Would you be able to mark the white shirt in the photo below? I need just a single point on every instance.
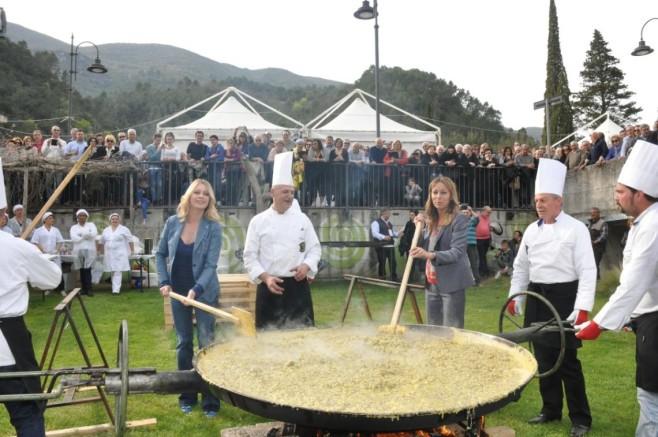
(76, 149)
(374, 228)
(46, 239)
(134, 149)
(20, 263)
(276, 243)
(637, 292)
(50, 151)
(555, 253)
(84, 237)
(116, 248)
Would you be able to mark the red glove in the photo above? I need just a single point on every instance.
(511, 307)
(581, 317)
(589, 330)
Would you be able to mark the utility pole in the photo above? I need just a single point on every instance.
(547, 103)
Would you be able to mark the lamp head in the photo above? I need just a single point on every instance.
(642, 49)
(365, 12)
(97, 67)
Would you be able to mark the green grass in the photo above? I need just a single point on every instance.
(608, 363)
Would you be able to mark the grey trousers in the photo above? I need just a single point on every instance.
(473, 258)
(445, 309)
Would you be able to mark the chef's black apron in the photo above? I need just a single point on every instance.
(646, 351)
(563, 297)
(19, 340)
(293, 309)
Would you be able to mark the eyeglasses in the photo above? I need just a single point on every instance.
(109, 141)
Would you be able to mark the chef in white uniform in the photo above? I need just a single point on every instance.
(116, 243)
(281, 254)
(555, 259)
(20, 263)
(49, 240)
(83, 236)
(636, 298)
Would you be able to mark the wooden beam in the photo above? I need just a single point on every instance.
(95, 429)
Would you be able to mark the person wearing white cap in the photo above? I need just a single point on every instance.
(555, 259)
(83, 235)
(19, 222)
(49, 239)
(20, 263)
(116, 245)
(281, 254)
(636, 298)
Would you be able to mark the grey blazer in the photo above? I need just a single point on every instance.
(451, 263)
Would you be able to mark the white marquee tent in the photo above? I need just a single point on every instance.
(607, 127)
(231, 110)
(357, 123)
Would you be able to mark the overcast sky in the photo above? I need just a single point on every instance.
(494, 49)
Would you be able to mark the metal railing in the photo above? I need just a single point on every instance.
(320, 184)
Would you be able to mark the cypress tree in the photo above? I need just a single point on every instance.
(557, 84)
(603, 87)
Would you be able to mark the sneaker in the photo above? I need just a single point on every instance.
(186, 408)
(210, 414)
(497, 275)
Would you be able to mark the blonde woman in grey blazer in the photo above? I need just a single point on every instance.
(444, 249)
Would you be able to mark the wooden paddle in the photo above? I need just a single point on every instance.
(243, 319)
(394, 326)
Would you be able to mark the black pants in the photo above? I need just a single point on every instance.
(598, 256)
(27, 416)
(384, 253)
(568, 380)
(483, 248)
(290, 310)
(85, 280)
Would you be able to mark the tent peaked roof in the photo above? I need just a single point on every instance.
(231, 109)
(359, 115)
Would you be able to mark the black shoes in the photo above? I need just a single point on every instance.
(543, 418)
(578, 430)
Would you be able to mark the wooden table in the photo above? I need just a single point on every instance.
(360, 280)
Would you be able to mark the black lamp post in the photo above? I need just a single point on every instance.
(96, 67)
(366, 12)
(642, 48)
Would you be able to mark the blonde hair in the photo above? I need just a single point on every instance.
(110, 137)
(432, 212)
(183, 208)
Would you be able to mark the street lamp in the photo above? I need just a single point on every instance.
(96, 67)
(642, 48)
(366, 12)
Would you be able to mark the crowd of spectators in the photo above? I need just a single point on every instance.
(329, 171)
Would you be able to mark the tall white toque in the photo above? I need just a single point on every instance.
(282, 172)
(639, 171)
(551, 174)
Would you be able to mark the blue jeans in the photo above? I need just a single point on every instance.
(155, 182)
(205, 329)
(26, 417)
(647, 424)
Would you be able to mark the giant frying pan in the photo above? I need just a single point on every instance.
(334, 420)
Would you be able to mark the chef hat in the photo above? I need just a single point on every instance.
(282, 173)
(46, 215)
(551, 174)
(3, 195)
(81, 211)
(17, 206)
(115, 214)
(639, 171)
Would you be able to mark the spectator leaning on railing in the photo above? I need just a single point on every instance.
(131, 146)
(54, 146)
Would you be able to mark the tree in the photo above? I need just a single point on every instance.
(603, 87)
(557, 84)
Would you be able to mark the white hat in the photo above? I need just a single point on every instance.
(3, 195)
(46, 215)
(282, 173)
(639, 171)
(81, 211)
(115, 214)
(17, 206)
(551, 174)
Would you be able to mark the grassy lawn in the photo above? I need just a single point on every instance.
(608, 362)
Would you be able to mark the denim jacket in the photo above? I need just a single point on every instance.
(207, 246)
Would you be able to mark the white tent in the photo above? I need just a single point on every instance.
(231, 110)
(608, 127)
(357, 123)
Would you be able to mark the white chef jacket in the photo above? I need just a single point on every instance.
(556, 253)
(47, 239)
(637, 292)
(116, 248)
(276, 243)
(20, 263)
(84, 239)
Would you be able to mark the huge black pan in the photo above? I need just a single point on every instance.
(334, 421)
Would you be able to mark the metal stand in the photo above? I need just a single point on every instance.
(64, 317)
(360, 280)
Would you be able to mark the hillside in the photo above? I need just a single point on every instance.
(160, 65)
